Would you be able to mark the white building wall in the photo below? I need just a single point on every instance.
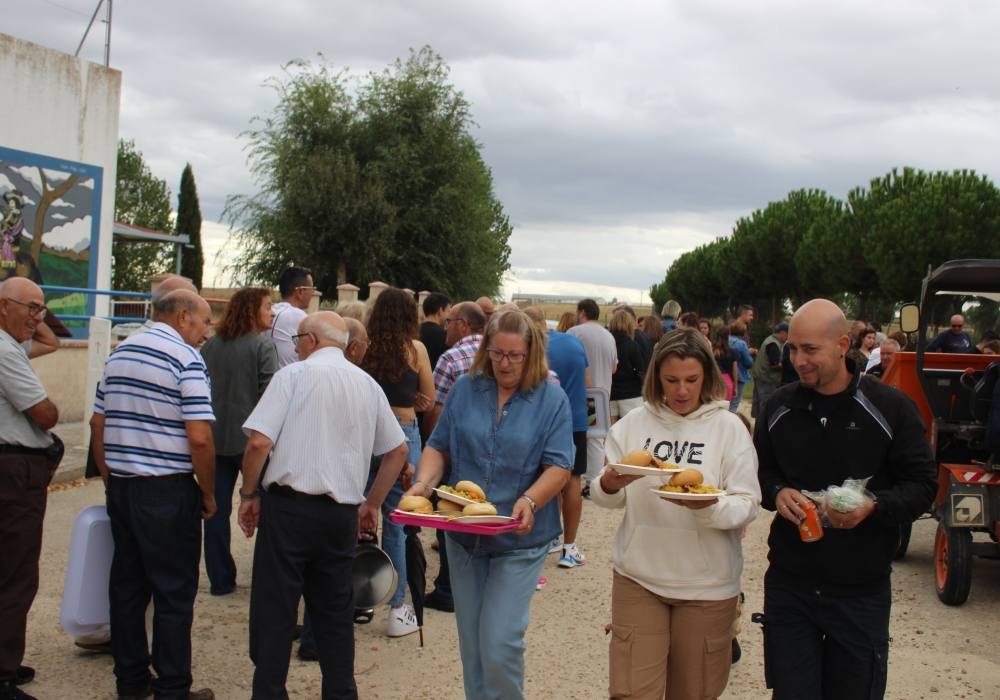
(64, 107)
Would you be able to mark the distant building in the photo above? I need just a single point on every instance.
(533, 299)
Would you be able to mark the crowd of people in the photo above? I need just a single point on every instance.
(322, 422)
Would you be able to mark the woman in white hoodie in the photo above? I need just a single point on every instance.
(677, 564)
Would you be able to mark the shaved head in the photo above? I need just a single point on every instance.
(818, 341)
(824, 316)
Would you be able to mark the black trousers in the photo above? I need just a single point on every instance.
(156, 525)
(305, 548)
(822, 646)
(24, 479)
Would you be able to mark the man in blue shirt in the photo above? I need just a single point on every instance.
(954, 339)
(567, 358)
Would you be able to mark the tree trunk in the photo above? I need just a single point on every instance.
(342, 272)
(48, 196)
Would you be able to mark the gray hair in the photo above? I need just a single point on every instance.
(325, 331)
(891, 342)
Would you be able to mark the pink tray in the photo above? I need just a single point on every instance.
(401, 518)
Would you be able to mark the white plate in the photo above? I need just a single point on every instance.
(632, 470)
(688, 496)
(484, 519)
(460, 500)
(429, 516)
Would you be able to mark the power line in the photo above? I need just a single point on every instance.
(67, 9)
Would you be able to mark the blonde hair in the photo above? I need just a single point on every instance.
(352, 309)
(683, 343)
(624, 322)
(566, 321)
(536, 369)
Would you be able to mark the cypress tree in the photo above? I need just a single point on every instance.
(189, 222)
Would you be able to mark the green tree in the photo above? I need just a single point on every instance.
(189, 222)
(141, 199)
(390, 185)
(915, 220)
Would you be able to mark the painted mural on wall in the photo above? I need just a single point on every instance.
(50, 211)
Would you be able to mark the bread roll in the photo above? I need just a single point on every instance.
(688, 477)
(479, 509)
(416, 504)
(637, 458)
(470, 487)
(448, 507)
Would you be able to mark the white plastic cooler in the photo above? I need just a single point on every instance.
(85, 608)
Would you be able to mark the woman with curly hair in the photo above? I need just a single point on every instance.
(401, 366)
(240, 362)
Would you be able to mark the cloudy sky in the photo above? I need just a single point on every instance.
(619, 136)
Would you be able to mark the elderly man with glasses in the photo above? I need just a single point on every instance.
(953, 340)
(29, 455)
(320, 420)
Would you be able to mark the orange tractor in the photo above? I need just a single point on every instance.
(958, 396)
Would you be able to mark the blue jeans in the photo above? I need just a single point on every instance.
(218, 558)
(393, 538)
(737, 396)
(492, 595)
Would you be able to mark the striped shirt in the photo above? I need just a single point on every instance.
(326, 418)
(453, 364)
(153, 382)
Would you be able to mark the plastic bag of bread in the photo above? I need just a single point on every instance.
(844, 498)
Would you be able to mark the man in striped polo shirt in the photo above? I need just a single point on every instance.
(152, 435)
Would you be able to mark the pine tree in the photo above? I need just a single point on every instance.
(189, 222)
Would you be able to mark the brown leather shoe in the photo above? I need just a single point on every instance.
(203, 694)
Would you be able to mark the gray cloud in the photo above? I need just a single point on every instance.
(619, 136)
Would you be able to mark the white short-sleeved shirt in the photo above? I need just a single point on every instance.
(602, 353)
(19, 391)
(153, 383)
(326, 418)
(285, 324)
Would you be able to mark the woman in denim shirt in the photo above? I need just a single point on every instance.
(508, 430)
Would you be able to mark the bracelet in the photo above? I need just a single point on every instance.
(252, 496)
(531, 502)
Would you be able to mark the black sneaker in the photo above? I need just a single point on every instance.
(146, 692)
(436, 600)
(25, 674)
(10, 691)
(308, 653)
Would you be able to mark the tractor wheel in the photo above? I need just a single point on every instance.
(904, 541)
(952, 564)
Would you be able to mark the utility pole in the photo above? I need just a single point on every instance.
(107, 32)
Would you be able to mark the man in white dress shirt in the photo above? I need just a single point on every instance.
(320, 420)
(297, 289)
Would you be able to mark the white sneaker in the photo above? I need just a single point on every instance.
(572, 557)
(402, 621)
(555, 546)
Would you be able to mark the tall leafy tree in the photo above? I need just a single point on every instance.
(390, 185)
(189, 222)
(141, 199)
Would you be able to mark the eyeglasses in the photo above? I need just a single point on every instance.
(311, 289)
(299, 336)
(449, 321)
(957, 325)
(515, 358)
(35, 309)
